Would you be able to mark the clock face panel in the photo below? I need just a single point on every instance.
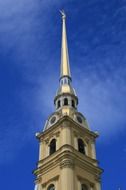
(53, 119)
(79, 119)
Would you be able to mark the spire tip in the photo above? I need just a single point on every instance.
(63, 14)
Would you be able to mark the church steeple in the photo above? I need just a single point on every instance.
(65, 68)
(66, 100)
(67, 158)
(66, 96)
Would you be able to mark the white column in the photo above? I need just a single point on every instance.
(66, 135)
(75, 143)
(93, 150)
(91, 188)
(40, 151)
(86, 149)
(98, 186)
(38, 187)
(79, 185)
(57, 143)
(56, 185)
(67, 178)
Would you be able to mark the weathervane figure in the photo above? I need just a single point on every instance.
(63, 14)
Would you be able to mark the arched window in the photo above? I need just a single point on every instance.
(81, 146)
(52, 146)
(65, 81)
(58, 104)
(73, 104)
(61, 82)
(65, 101)
(51, 187)
(84, 187)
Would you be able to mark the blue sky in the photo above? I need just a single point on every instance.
(30, 40)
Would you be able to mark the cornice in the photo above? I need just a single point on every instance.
(38, 179)
(74, 125)
(67, 156)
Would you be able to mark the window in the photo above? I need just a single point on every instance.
(84, 187)
(73, 104)
(58, 104)
(52, 146)
(53, 119)
(65, 101)
(81, 146)
(51, 187)
(79, 119)
(65, 81)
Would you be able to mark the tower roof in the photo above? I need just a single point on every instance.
(65, 75)
(66, 100)
(65, 68)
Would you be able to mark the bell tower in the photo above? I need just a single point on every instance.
(67, 158)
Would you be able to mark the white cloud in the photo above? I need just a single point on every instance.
(19, 25)
(101, 100)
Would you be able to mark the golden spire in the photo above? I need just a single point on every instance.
(65, 68)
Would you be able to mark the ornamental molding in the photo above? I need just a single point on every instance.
(93, 141)
(47, 141)
(60, 125)
(87, 140)
(67, 163)
(76, 134)
(92, 185)
(38, 180)
(85, 181)
(98, 178)
(54, 179)
(79, 134)
(54, 135)
(57, 134)
(66, 123)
